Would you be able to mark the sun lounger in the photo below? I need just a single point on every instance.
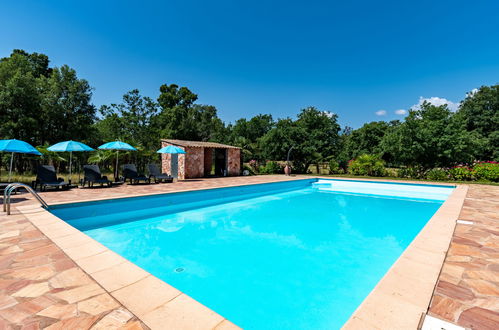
(156, 174)
(46, 177)
(93, 175)
(130, 172)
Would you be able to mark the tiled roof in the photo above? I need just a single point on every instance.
(198, 144)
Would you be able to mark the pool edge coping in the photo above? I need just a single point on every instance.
(403, 295)
(130, 274)
(126, 282)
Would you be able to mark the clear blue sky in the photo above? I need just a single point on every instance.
(354, 58)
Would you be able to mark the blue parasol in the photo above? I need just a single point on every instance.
(69, 146)
(174, 150)
(116, 145)
(171, 150)
(17, 146)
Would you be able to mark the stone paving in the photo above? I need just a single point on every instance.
(467, 292)
(41, 287)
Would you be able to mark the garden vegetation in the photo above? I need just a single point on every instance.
(43, 105)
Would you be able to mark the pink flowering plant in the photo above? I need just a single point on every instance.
(461, 173)
(487, 171)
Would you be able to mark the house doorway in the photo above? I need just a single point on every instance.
(220, 162)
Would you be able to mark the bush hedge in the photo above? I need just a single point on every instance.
(372, 165)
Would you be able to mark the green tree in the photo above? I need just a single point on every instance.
(131, 121)
(480, 112)
(19, 98)
(313, 136)
(40, 104)
(430, 137)
(367, 139)
(67, 109)
(246, 133)
(180, 118)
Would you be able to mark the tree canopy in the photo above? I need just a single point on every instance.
(40, 104)
(43, 105)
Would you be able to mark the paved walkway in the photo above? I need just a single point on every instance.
(467, 292)
(41, 287)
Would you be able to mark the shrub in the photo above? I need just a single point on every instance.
(460, 173)
(411, 172)
(437, 174)
(392, 172)
(249, 168)
(271, 168)
(334, 167)
(371, 165)
(486, 171)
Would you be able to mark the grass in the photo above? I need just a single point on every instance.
(29, 178)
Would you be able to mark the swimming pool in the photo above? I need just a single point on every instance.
(298, 254)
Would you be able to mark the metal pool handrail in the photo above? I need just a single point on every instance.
(11, 188)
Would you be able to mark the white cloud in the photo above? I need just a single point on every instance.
(472, 92)
(381, 113)
(401, 112)
(329, 114)
(435, 100)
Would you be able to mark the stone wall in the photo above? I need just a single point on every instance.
(197, 162)
(194, 162)
(234, 161)
(166, 162)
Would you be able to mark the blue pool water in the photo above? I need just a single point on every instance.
(296, 255)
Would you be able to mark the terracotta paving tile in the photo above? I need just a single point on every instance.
(32, 273)
(114, 320)
(77, 322)
(80, 293)
(7, 301)
(13, 315)
(37, 304)
(446, 308)
(470, 298)
(479, 318)
(182, 312)
(63, 264)
(482, 287)
(98, 304)
(32, 290)
(119, 276)
(133, 325)
(60, 311)
(70, 278)
(100, 261)
(85, 250)
(145, 295)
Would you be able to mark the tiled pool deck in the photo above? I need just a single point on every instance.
(51, 275)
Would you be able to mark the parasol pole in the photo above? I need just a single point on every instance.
(10, 169)
(116, 171)
(70, 162)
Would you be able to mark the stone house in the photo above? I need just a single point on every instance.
(202, 159)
